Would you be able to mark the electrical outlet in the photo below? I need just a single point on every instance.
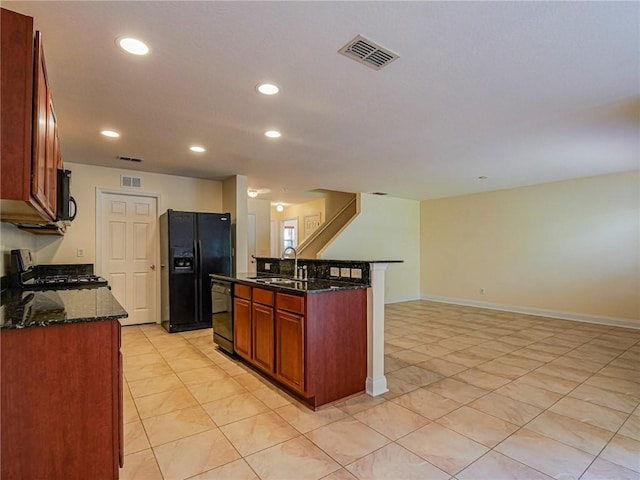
(80, 252)
(356, 273)
(267, 266)
(345, 272)
(334, 271)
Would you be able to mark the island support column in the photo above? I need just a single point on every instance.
(376, 383)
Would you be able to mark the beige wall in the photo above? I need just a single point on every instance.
(262, 211)
(298, 211)
(11, 238)
(335, 201)
(571, 248)
(387, 228)
(178, 193)
(234, 200)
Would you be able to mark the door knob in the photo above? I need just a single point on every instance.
(152, 267)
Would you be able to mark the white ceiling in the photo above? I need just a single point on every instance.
(520, 92)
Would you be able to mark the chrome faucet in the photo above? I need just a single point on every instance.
(295, 260)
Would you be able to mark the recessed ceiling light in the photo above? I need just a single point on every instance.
(133, 46)
(268, 88)
(252, 193)
(110, 133)
(197, 149)
(279, 207)
(272, 134)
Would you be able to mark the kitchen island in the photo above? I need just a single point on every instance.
(369, 272)
(309, 337)
(61, 384)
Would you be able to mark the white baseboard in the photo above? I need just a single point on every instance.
(402, 299)
(577, 317)
(376, 386)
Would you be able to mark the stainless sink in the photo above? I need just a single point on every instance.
(277, 280)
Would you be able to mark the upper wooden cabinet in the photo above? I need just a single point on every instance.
(30, 145)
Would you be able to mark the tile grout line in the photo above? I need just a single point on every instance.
(460, 331)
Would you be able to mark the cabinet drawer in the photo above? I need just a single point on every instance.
(242, 291)
(264, 297)
(293, 303)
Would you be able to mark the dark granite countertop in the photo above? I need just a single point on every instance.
(312, 285)
(22, 309)
(329, 260)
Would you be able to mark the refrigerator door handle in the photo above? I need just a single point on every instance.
(196, 260)
(196, 275)
(198, 278)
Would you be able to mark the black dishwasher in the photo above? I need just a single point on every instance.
(222, 314)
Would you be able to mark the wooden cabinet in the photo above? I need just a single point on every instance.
(263, 332)
(254, 326)
(336, 344)
(315, 344)
(30, 144)
(263, 329)
(242, 331)
(61, 394)
(53, 159)
(290, 349)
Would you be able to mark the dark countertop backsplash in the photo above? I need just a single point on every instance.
(73, 269)
(318, 269)
(65, 269)
(312, 285)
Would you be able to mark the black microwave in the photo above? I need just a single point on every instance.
(67, 207)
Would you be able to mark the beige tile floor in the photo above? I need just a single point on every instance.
(474, 394)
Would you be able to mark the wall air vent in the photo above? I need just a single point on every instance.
(368, 53)
(130, 159)
(129, 181)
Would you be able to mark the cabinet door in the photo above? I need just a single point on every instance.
(263, 337)
(52, 149)
(290, 333)
(242, 327)
(39, 185)
(119, 427)
(58, 402)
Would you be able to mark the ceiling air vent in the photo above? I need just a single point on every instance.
(130, 159)
(129, 181)
(367, 52)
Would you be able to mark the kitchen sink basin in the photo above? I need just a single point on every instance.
(277, 280)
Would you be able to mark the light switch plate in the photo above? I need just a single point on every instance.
(334, 272)
(345, 272)
(356, 273)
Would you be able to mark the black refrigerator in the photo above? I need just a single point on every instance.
(192, 246)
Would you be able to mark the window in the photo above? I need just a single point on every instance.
(289, 233)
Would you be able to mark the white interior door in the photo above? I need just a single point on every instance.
(128, 253)
(251, 244)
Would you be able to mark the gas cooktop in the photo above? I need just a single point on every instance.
(59, 282)
(54, 277)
